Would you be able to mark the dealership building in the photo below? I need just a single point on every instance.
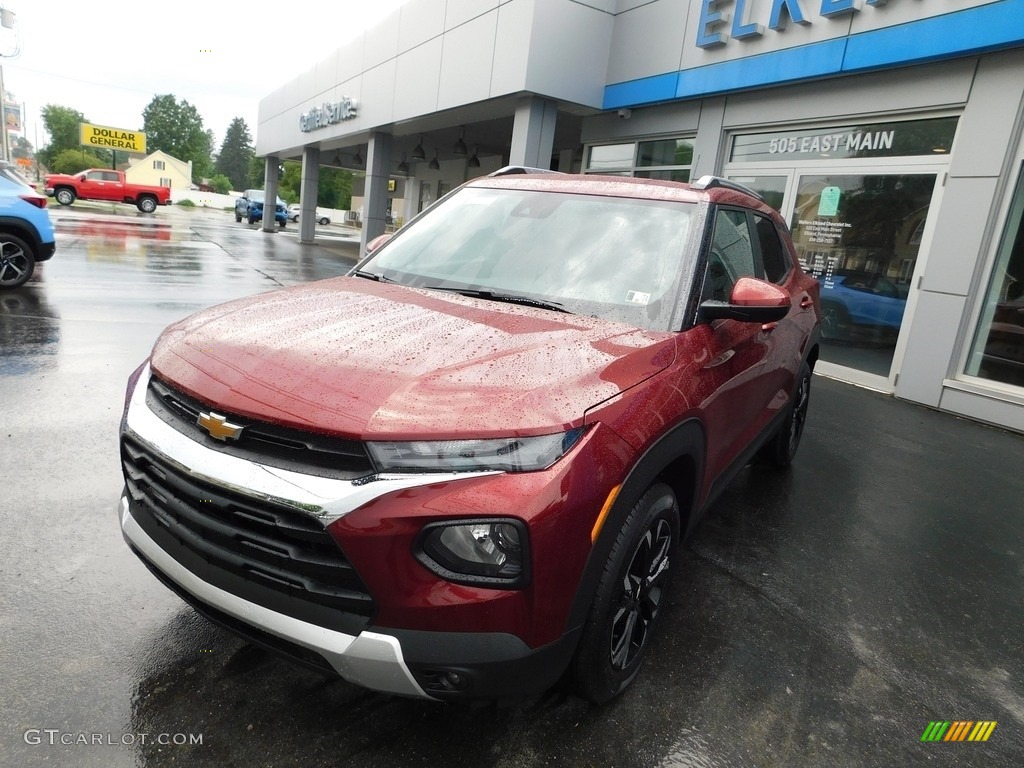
(888, 133)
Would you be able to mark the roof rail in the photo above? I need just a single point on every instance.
(511, 169)
(709, 181)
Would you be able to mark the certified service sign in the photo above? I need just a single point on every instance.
(329, 114)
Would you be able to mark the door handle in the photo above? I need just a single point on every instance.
(806, 302)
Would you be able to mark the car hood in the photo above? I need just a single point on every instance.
(354, 357)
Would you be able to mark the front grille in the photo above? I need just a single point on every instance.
(263, 542)
(262, 442)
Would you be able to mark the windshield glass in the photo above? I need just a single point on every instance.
(610, 257)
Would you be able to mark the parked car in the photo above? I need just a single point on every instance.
(859, 303)
(26, 232)
(321, 217)
(250, 206)
(467, 466)
(104, 184)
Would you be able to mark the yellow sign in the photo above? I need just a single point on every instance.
(112, 138)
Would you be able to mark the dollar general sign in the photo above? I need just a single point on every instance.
(112, 138)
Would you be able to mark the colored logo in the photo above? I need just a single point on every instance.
(958, 730)
(218, 426)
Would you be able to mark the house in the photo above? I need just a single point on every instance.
(160, 169)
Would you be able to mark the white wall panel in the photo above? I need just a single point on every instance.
(417, 79)
(466, 62)
(512, 47)
(647, 41)
(419, 21)
(458, 12)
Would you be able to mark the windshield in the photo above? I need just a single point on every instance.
(615, 258)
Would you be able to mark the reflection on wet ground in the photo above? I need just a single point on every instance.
(820, 617)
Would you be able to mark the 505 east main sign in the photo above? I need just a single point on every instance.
(329, 114)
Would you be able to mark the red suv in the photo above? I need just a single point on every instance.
(465, 468)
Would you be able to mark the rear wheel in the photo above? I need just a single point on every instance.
(781, 449)
(64, 196)
(146, 204)
(17, 262)
(324, 220)
(629, 597)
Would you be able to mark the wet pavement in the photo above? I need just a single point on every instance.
(820, 617)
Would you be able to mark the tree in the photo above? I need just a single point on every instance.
(62, 125)
(74, 160)
(177, 129)
(221, 184)
(235, 153)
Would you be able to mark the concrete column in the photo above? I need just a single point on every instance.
(308, 193)
(269, 193)
(533, 132)
(375, 200)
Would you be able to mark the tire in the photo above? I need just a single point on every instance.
(834, 320)
(146, 204)
(323, 221)
(282, 224)
(65, 196)
(629, 600)
(17, 261)
(781, 449)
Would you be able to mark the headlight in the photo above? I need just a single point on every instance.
(492, 552)
(512, 454)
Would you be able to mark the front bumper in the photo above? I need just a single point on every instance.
(370, 659)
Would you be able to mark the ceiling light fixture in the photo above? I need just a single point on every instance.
(474, 161)
(460, 145)
(434, 165)
(419, 153)
(358, 157)
(403, 167)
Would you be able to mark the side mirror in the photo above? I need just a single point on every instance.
(81, 177)
(751, 301)
(377, 242)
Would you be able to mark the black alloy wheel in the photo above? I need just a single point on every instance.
(640, 596)
(781, 449)
(630, 597)
(17, 262)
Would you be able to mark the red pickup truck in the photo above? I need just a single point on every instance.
(100, 184)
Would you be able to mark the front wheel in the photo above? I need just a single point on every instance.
(324, 221)
(781, 449)
(146, 204)
(629, 598)
(64, 196)
(17, 262)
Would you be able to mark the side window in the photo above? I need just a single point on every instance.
(111, 176)
(731, 257)
(774, 257)
(95, 176)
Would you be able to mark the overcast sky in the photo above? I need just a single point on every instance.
(108, 60)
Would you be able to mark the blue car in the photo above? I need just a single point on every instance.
(860, 304)
(256, 210)
(26, 232)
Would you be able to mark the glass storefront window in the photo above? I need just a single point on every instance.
(856, 234)
(897, 139)
(611, 156)
(771, 188)
(668, 159)
(998, 350)
(666, 152)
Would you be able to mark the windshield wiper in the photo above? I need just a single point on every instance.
(372, 276)
(503, 297)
